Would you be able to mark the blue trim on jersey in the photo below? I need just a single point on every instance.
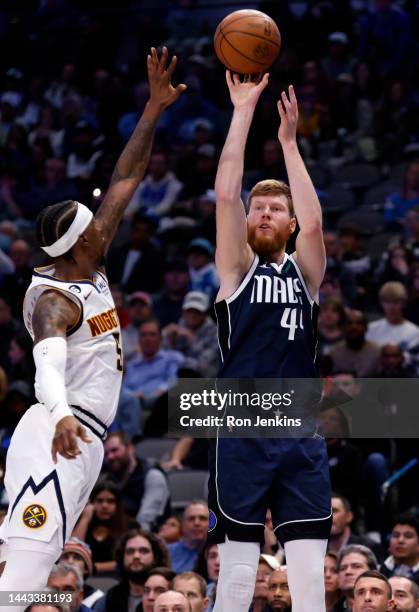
(30, 484)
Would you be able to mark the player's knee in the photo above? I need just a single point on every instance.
(241, 583)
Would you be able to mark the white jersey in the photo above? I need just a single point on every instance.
(94, 356)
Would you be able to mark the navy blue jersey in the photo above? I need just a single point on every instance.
(268, 327)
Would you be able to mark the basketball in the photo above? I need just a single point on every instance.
(247, 41)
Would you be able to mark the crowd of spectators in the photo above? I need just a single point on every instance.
(72, 87)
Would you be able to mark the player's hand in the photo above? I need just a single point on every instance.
(65, 439)
(288, 111)
(162, 92)
(245, 93)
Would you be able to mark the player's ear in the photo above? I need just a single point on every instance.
(293, 224)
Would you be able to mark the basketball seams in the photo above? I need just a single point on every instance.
(268, 40)
(264, 64)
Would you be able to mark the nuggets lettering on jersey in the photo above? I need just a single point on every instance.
(267, 328)
(94, 355)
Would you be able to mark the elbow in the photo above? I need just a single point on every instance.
(313, 228)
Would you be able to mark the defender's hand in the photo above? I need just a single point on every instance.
(162, 92)
(245, 93)
(288, 111)
(65, 439)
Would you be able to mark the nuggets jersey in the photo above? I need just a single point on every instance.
(94, 356)
(267, 328)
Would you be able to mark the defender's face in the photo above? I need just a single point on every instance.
(269, 224)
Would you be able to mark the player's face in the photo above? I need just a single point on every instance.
(331, 579)
(138, 555)
(105, 505)
(341, 518)
(190, 589)
(153, 587)
(213, 563)
(404, 542)
(195, 522)
(269, 224)
(279, 597)
(116, 455)
(351, 566)
(371, 595)
(402, 594)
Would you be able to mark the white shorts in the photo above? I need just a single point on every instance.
(46, 498)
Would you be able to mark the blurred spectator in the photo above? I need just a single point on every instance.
(158, 191)
(412, 309)
(412, 231)
(171, 601)
(48, 126)
(337, 269)
(399, 204)
(395, 265)
(138, 552)
(168, 304)
(142, 484)
(171, 530)
(353, 561)
(403, 549)
(16, 284)
(355, 352)
(405, 594)
(200, 171)
(279, 597)
(10, 102)
(372, 590)
(137, 265)
(102, 523)
(194, 588)
(339, 59)
(140, 309)
(19, 397)
(188, 452)
(330, 324)
(331, 580)
(154, 369)
(202, 270)
(267, 564)
(271, 165)
(385, 37)
(9, 328)
(392, 363)
(159, 580)
(195, 336)
(354, 257)
(208, 566)
(184, 553)
(341, 534)
(22, 366)
(393, 328)
(66, 578)
(205, 210)
(78, 554)
(84, 155)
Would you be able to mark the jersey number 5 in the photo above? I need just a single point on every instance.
(120, 359)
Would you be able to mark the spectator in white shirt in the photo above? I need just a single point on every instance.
(393, 328)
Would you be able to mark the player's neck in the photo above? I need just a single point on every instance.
(276, 257)
(72, 271)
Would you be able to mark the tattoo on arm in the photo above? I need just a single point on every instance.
(128, 172)
(53, 315)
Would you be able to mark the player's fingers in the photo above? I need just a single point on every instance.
(181, 88)
(83, 435)
(264, 79)
(236, 79)
(281, 109)
(163, 58)
(71, 446)
(172, 66)
(285, 100)
(291, 93)
(154, 57)
(229, 78)
(54, 451)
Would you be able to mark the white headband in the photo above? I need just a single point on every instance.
(64, 244)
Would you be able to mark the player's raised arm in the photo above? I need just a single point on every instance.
(133, 162)
(311, 256)
(234, 255)
(53, 316)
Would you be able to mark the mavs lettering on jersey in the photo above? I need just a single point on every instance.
(267, 328)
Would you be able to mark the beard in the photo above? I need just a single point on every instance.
(266, 245)
(137, 576)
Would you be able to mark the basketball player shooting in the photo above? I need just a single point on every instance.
(266, 310)
(56, 452)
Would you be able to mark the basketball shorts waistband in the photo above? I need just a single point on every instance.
(90, 421)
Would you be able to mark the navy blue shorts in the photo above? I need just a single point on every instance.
(290, 476)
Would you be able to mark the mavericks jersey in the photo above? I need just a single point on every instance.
(94, 358)
(267, 328)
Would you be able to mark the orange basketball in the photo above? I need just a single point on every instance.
(247, 41)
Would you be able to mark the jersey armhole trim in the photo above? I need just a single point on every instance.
(72, 298)
(301, 277)
(244, 282)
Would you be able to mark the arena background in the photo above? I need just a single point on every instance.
(72, 87)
